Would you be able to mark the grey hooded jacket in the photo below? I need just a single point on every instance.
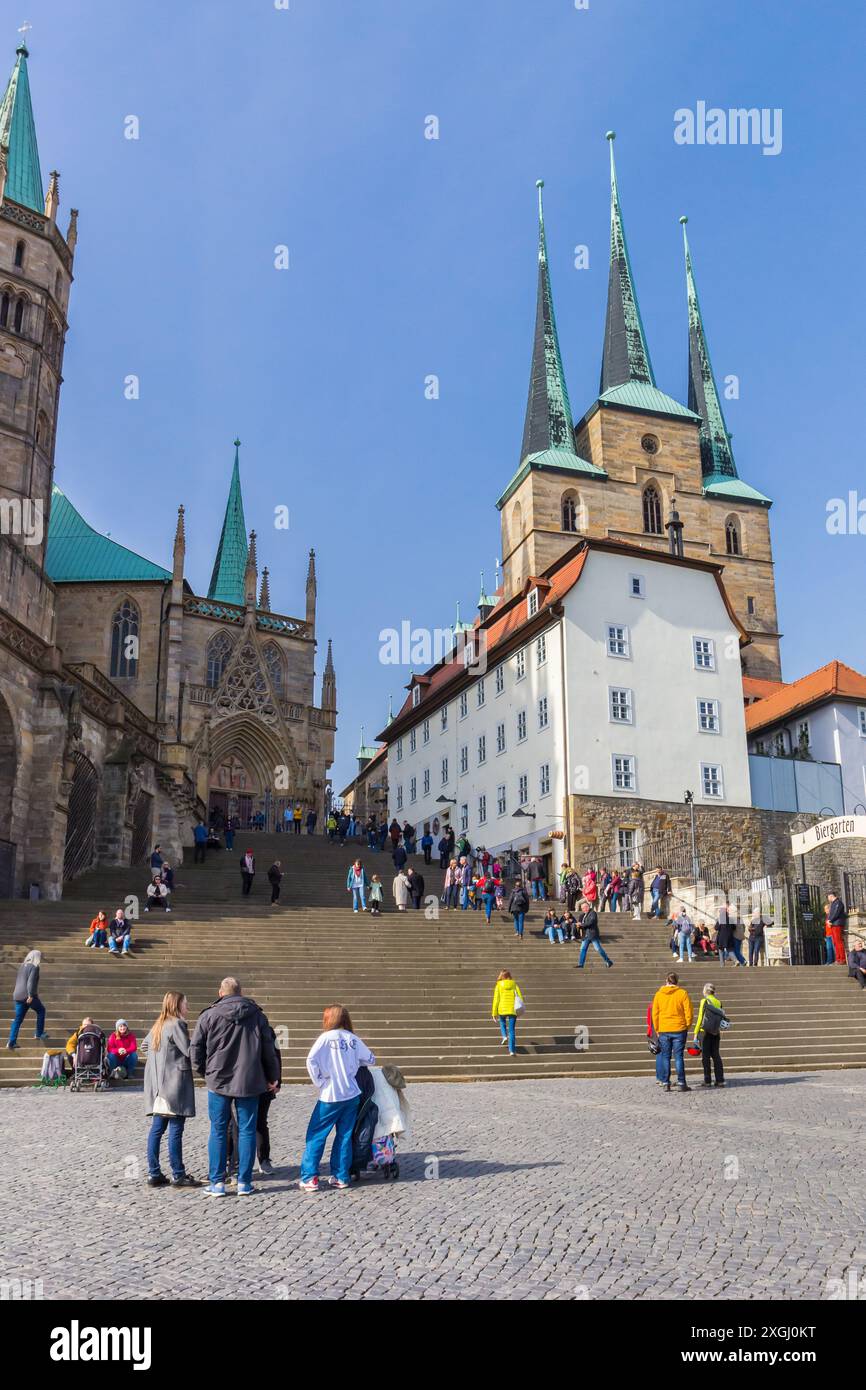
(26, 984)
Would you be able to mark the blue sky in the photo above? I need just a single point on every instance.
(411, 257)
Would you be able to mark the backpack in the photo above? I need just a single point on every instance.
(520, 901)
(712, 1019)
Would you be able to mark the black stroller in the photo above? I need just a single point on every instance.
(89, 1062)
(364, 1132)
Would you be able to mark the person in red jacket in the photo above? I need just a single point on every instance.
(122, 1050)
(835, 926)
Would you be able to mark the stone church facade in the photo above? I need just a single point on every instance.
(129, 705)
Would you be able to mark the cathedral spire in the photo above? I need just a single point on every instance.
(227, 580)
(18, 138)
(265, 595)
(548, 423)
(626, 355)
(717, 457)
(311, 590)
(329, 682)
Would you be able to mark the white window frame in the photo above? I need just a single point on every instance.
(413, 789)
(426, 781)
(500, 679)
(713, 796)
(520, 664)
(801, 725)
(444, 772)
(628, 704)
(640, 590)
(464, 816)
(544, 780)
(443, 719)
(399, 798)
(399, 750)
(463, 707)
(532, 603)
(631, 771)
(501, 741)
(482, 749)
(626, 845)
(541, 649)
(711, 653)
(480, 695)
(464, 759)
(625, 639)
(425, 731)
(501, 800)
(482, 809)
(416, 696)
(716, 714)
(521, 724)
(543, 713)
(522, 788)
(413, 740)
(861, 720)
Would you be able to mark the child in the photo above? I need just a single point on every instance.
(376, 896)
(97, 937)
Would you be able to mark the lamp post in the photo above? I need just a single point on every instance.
(689, 799)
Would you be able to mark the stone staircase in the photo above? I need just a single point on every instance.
(419, 989)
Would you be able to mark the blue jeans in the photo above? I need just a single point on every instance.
(553, 933)
(538, 889)
(326, 1115)
(584, 947)
(518, 922)
(20, 1010)
(672, 1044)
(128, 1062)
(464, 896)
(219, 1110)
(174, 1124)
(506, 1028)
(685, 942)
(488, 900)
(124, 940)
(656, 898)
(359, 898)
(829, 951)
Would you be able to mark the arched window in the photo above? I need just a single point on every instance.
(5, 303)
(516, 524)
(124, 641)
(652, 510)
(571, 510)
(733, 538)
(19, 254)
(274, 662)
(19, 315)
(58, 286)
(42, 429)
(219, 649)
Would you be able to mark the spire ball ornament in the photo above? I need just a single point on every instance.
(610, 135)
(683, 220)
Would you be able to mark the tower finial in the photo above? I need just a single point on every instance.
(24, 30)
(265, 594)
(625, 357)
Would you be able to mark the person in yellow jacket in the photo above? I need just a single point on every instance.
(708, 1034)
(672, 1017)
(506, 1008)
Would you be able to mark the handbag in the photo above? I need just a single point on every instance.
(162, 1107)
(519, 1005)
(653, 1044)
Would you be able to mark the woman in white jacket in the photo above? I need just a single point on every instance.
(332, 1063)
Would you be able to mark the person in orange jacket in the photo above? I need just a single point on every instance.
(671, 1019)
(97, 937)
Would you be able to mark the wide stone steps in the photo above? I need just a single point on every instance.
(419, 988)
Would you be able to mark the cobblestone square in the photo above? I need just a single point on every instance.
(524, 1190)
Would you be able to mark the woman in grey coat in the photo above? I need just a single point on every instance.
(26, 996)
(169, 1092)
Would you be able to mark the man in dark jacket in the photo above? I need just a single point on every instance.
(591, 936)
(233, 1049)
(443, 847)
(857, 964)
(416, 887)
(399, 857)
(248, 872)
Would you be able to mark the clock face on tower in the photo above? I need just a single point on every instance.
(649, 444)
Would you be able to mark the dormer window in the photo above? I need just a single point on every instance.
(532, 603)
(416, 696)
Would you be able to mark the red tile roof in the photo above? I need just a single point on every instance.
(835, 680)
(758, 688)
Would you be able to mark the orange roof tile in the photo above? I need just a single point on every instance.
(758, 687)
(833, 680)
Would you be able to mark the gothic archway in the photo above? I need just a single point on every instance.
(80, 850)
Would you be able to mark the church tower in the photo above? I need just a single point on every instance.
(616, 473)
(35, 279)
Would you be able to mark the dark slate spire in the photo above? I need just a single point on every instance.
(18, 137)
(548, 422)
(265, 595)
(227, 580)
(717, 457)
(626, 355)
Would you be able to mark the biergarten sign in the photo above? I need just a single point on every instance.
(839, 828)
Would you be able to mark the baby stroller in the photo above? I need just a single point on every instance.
(368, 1151)
(89, 1062)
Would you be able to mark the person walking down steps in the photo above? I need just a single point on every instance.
(248, 872)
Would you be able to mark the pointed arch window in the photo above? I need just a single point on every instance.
(124, 641)
(19, 255)
(219, 650)
(571, 510)
(276, 670)
(652, 510)
(5, 305)
(733, 536)
(20, 305)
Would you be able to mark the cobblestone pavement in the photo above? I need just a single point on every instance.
(530, 1189)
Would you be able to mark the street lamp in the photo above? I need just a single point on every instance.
(445, 801)
(689, 799)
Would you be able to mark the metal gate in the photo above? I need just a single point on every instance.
(7, 868)
(855, 888)
(81, 818)
(141, 828)
(807, 925)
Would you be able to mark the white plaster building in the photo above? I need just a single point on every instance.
(615, 673)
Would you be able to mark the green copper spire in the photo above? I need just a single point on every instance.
(227, 580)
(18, 136)
(626, 355)
(548, 422)
(716, 454)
